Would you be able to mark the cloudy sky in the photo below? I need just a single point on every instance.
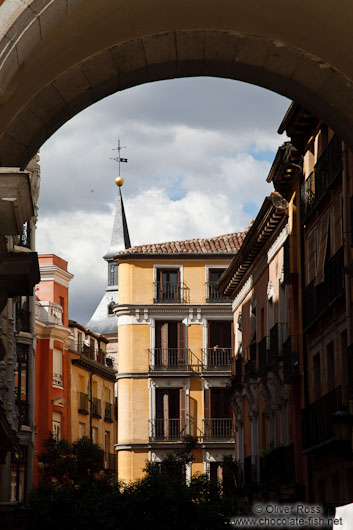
(198, 151)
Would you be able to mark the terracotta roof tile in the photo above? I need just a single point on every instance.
(224, 244)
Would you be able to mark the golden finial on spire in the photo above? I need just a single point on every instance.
(119, 181)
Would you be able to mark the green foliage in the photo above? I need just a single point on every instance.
(75, 495)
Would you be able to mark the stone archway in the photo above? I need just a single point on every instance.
(61, 56)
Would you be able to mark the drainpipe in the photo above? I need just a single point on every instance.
(91, 405)
(346, 241)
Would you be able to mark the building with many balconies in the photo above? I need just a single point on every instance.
(176, 344)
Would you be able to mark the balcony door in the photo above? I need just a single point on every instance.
(220, 343)
(170, 422)
(170, 352)
(168, 285)
(218, 420)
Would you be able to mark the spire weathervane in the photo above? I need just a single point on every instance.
(118, 158)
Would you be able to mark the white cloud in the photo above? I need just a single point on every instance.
(199, 151)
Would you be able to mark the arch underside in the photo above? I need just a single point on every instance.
(48, 87)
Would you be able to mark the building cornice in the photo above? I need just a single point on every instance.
(263, 228)
(53, 331)
(55, 274)
(93, 366)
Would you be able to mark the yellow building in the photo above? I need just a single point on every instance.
(175, 345)
(91, 388)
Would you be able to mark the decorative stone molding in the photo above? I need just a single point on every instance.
(270, 291)
(278, 243)
(251, 393)
(243, 293)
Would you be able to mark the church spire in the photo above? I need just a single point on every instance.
(103, 319)
(120, 234)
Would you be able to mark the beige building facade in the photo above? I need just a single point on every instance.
(175, 348)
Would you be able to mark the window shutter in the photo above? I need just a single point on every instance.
(207, 411)
(182, 397)
(310, 258)
(323, 235)
(164, 343)
(182, 358)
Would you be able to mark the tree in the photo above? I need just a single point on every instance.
(75, 493)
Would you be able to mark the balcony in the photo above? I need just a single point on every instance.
(263, 355)
(49, 313)
(217, 359)
(96, 408)
(250, 471)
(83, 403)
(326, 169)
(218, 429)
(290, 354)
(237, 369)
(250, 369)
(169, 430)
(277, 467)
(318, 298)
(213, 296)
(23, 320)
(108, 412)
(168, 292)
(317, 418)
(110, 462)
(169, 359)
(58, 379)
(23, 411)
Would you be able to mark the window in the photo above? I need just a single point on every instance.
(94, 435)
(57, 426)
(212, 294)
(112, 274)
(81, 430)
(167, 287)
(21, 382)
(110, 307)
(170, 351)
(57, 367)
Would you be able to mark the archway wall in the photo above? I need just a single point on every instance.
(59, 57)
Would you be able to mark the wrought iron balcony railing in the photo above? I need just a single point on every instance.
(250, 471)
(237, 369)
(169, 359)
(213, 296)
(168, 292)
(83, 403)
(250, 369)
(263, 355)
(23, 320)
(291, 359)
(317, 418)
(217, 359)
(167, 430)
(108, 412)
(218, 429)
(277, 467)
(96, 407)
(326, 169)
(23, 411)
(318, 298)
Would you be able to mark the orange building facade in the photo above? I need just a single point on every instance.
(53, 339)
